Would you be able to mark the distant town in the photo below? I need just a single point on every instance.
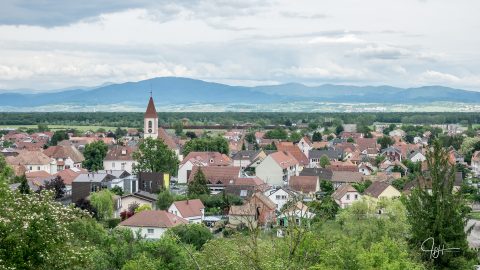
(219, 180)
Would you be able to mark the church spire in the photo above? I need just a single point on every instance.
(151, 111)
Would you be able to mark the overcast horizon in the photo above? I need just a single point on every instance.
(53, 45)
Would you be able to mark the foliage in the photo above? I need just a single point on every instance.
(192, 234)
(94, 154)
(207, 144)
(440, 213)
(361, 187)
(339, 129)
(198, 185)
(324, 161)
(24, 188)
(58, 136)
(87, 206)
(469, 146)
(6, 172)
(191, 134)
(326, 208)
(117, 190)
(385, 141)
(165, 199)
(350, 140)
(327, 187)
(277, 133)
(103, 202)
(153, 155)
(317, 136)
(35, 232)
(178, 127)
(57, 186)
(143, 207)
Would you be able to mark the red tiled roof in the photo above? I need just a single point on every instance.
(284, 159)
(294, 151)
(69, 175)
(217, 174)
(167, 139)
(37, 174)
(63, 152)
(209, 158)
(189, 208)
(119, 152)
(153, 218)
(151, 111)
(304, 184)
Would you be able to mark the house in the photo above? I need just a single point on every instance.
(332, 154)
(191, 210)
(417, 156)
(456, 157)
(346, 166)
(153, 182)
(218, 177)
(321, 173)
(340, 178)
(365, 168)
(120, 158)
(293, 150)
(245, 187)
(67, 156)
(33, 161)
(426, 183)
(392, 153)
(368, 146)
(259, 210)
(277, 168)
(345, 195)
(280, 196)
(305, 145)
(152, 224)
(379, 190)
(86, 183)
(476, 163)
(297, 213)
(307, 185)
(203, 159)
(138, 199)
(69, 175)
(390, 166)
(353, 135)
(244, 158)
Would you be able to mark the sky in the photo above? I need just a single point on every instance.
(52, 44)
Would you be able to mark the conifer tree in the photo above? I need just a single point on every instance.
(198, 185)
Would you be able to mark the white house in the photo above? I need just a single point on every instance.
(397, 133)
(417, 156)
(191, 210)
(67, 156)
(120, 158)
(280, 196)
(305, 145)
(201, 159)
(33, 161)
(476, 163)
(152, 224)
(277, 168)
(346, 195)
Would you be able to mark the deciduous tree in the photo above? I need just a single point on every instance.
(153, 155)
(94, 154)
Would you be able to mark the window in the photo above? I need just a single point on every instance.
(150, 231)
(38, 168)
(150, 124)
(277, 197)
(356, 196)
(243, 193)
(348, 196)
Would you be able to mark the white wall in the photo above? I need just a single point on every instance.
(182, 172)
(349, 198)
(157, 232)
(117, 165)
(270, 172)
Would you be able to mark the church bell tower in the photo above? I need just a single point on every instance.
(150, 121)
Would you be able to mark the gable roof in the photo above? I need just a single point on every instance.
(119, 152)
(207, 159)
(167, 139)
(304, 184)
(153, 218)
(26, 157)
(293, 150)
(376, 188)
(217, 174)
(321, 173)
(63, 152)
(151, 112)
(366, 143)
(284, 159)
(342, 190)
(330, 153)
(348, 177)
(246, 154)
(69, 175)
(189, 208)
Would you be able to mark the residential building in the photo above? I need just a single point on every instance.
(138, 199)
(203, 159)
(218, 177)
(280, 196)
(67, 156)
(277, 168)
(152, 224)
(86, 183)
(33, 161)
(476, 163)
(191, 210)
(346, 195)
(307, 185)
(379, 190)
(153, 182)
(259, 210)
(120, 158)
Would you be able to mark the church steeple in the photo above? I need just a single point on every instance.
(150, 120)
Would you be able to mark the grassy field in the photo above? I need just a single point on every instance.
(59, 127)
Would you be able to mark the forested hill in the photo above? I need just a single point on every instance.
(174, 90)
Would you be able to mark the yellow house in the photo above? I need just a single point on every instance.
(379, 190)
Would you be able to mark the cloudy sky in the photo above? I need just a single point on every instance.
(52, 44)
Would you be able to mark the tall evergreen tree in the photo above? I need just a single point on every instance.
(198, 185)
(439, 214)
(24, 188)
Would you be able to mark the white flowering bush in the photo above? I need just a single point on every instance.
(35, 234)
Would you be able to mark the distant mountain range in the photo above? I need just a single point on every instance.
(175, 90)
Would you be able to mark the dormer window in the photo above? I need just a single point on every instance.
(211, 160)
(124, 152)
